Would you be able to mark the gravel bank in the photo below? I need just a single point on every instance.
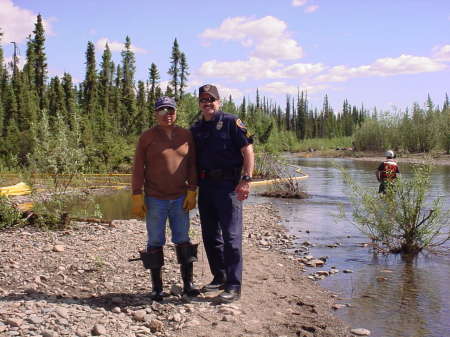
(78, 282)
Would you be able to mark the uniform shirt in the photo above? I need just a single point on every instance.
(164, 166)
(219, 141)
(388, 169)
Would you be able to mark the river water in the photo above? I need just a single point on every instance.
(388, 295)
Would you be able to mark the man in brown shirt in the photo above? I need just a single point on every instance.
(164, 165)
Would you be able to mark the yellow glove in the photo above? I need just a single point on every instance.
(190, 201)
(138, 208)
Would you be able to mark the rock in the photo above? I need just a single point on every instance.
(15, 322)
(3, 328)
(360, 332)
(338, 306)
(347, 271)
(62, 312)
(49, 333)
(58, 248)
(98, 330)
(139, 315)
(155, 325)
(177, 317)
(116, 310)
(316, 263)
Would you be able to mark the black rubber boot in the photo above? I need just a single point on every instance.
(157, 285)
(153, 259)
(186, 255)
(187, 273)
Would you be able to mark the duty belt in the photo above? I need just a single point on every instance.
(221, 174)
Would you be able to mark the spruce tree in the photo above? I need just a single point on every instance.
(128, 96)
(184, 73)
(174, 70)
(69, 101)
(1, 56)
(90, 86)
(141, 122)
(152, 94)
(56, 101)
(40, 59)
(105, 80)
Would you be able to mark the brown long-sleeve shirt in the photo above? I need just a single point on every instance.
(164, 166)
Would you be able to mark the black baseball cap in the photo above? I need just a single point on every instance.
(210, 90)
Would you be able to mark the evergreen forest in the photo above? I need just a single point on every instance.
(94, 125)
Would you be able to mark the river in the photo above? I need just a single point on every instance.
(388, 295)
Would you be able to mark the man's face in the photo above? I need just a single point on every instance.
(166, 116)
(208, 105)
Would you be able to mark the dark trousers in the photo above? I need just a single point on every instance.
(221, 220)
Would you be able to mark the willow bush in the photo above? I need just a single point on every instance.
(402, 220)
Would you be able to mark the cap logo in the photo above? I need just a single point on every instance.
(207, 87)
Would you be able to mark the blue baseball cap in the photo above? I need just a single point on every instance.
(165, 102)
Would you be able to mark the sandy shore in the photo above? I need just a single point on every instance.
(78, 282)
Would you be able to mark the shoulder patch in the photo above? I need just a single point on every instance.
(241, 125)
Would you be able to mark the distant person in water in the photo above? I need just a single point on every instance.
(387, 171)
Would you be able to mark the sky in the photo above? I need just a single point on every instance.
(377, 53)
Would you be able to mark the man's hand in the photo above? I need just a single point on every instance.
(242, 190)
(138, 208)
(190, 201)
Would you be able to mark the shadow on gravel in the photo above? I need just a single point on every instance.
(106, 301)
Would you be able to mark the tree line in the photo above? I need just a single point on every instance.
(96, 122)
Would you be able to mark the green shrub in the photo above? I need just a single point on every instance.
(401, 220)
(10, 216)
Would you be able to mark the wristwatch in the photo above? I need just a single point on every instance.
(247, 179)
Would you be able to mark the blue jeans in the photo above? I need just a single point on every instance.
(158, 211)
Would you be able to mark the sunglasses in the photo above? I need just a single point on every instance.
(207, 100)
(165, 111)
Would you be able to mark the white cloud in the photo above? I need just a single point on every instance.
(225, 92)
(299, 3)
(253, 68)
(20, 62)
(267, 36)
(117, 46)
(311, 9)
(300, 69)
(442, 53)
(257, 69)
(285, 88)
(17, 23)
(388, 66)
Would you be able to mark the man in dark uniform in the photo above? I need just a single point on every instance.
(225, 162)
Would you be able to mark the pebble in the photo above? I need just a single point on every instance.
(360, 332)
(98, 330)
(58, 248)
(15, 322)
